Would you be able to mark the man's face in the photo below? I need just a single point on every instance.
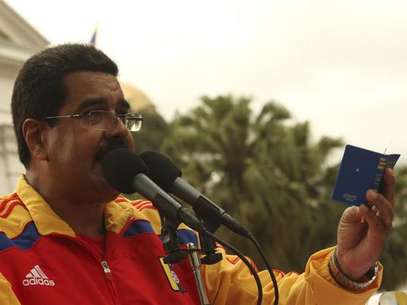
(74, 149)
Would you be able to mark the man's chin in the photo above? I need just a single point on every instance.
(105, 192)
(100, 182)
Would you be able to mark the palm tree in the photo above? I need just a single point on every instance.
(394, 256)
(262, 167)
(265, 169)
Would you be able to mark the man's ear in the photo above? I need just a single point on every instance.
(35, 135)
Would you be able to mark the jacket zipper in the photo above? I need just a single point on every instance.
(109, 280)
(105, 267)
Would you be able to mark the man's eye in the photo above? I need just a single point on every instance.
(93, 117)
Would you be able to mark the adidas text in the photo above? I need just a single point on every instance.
(38, 281)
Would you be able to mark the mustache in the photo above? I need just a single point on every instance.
(111, 144)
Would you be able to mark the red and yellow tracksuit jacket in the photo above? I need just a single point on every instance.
(43, 261)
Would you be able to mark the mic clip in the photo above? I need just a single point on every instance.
(208, 245)
(171, 242)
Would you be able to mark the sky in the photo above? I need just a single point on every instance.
(342, 65)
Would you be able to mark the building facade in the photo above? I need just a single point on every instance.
(18, 41)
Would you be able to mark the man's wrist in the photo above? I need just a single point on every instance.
(343, 280)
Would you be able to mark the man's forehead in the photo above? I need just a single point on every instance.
(92, 88)
(102, 103)
(91, 79)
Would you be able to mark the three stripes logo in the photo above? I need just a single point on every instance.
(37, 277)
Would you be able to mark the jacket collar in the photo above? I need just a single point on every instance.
(117, 215)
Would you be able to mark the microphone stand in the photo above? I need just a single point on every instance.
(196, 264)
(175, 254)
(208, 247)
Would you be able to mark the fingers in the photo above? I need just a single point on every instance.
(389, 185)
(379, 211)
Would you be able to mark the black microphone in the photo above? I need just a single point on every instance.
(163, 172)
(127, 173)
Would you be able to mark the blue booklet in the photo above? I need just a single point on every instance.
(360, 170)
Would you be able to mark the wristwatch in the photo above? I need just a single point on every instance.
(348, 283)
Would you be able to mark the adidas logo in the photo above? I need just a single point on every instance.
(37, 277)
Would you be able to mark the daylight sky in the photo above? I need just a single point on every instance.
(342, 65)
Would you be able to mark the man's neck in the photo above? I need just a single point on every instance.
(85, 218)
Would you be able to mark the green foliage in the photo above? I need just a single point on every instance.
(394, 256)
(265, 169)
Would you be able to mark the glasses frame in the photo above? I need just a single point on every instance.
(124, 118)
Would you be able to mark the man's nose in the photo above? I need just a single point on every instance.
(117, 128)
(120, 130)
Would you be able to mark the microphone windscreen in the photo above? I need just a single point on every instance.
(161, 169)
(120, 167)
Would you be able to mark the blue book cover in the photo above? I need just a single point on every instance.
(360, 170)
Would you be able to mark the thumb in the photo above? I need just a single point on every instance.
(351, 215)
(351, 229)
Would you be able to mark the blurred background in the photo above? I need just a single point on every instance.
(253, 100)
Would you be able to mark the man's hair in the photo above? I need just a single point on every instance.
(39, 88)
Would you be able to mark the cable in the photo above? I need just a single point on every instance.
(270, 271)
(246, 261)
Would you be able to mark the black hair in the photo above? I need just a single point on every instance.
(39, 88)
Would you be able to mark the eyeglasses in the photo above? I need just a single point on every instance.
(104, 120)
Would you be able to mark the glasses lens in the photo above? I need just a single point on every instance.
(99, 119)
(133, 122)
(94, 118)
(106, 120)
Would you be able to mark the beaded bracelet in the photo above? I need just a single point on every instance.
(345, 281)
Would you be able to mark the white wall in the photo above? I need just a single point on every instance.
(10, 166)
(7, 77)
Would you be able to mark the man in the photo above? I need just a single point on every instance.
(67, 237)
